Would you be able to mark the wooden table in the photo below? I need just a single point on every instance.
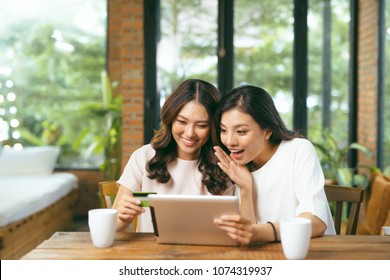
(142, 246)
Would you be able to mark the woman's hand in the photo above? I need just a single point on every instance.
(237, 227)
(239, 174)
(128, 208)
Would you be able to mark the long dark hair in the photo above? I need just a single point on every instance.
(258, 103)
(165, 145)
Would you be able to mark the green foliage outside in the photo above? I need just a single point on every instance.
(263, 56)
(107, 114)
(263, 53)
(55, 66)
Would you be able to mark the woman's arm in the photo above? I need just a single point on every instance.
(318, 227)
(128, 208)
(245, 232)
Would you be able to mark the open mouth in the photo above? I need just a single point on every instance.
(236, 153)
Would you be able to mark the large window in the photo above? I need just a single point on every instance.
(51, 59)
(263, 46)
(263, 53)
(188, 42)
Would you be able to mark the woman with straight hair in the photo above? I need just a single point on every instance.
(277, 170)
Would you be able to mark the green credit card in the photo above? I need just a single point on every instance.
(143, 197)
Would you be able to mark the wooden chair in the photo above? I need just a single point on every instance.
(341, 194)
(108, 191)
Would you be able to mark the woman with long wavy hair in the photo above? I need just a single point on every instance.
(180, 158)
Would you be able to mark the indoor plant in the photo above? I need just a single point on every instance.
(108, 140)
(334, 162)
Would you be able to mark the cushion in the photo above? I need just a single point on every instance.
(378, 205)
(29, 161)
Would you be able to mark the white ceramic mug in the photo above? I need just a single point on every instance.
(102, 226)
(295, 234)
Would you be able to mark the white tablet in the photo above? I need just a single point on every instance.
(189, 219)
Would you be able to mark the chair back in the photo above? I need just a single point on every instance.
(340, 195)
(107, 191)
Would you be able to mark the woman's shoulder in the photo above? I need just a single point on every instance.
(299, 146)
(145, 151)
(297, 142)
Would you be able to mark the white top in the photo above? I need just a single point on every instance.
(185, 179)
(291, 183)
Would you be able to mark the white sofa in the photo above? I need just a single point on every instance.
(35, 202)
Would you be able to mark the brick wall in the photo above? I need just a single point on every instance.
(126, 65)
(368, 75)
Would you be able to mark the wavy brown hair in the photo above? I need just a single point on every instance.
(165, 145)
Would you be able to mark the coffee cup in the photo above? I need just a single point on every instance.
(295, 236)
(102, 226)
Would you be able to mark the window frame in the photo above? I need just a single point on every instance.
(226, 74)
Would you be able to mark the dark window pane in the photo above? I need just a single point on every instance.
(328, 54)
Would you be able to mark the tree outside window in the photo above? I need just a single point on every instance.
(53, 53)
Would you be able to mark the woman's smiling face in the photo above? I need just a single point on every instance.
(191, 130)
(244, 138)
